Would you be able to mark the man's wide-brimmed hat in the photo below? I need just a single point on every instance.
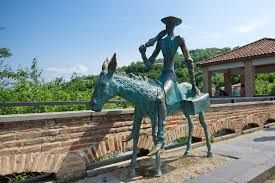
(171, 20)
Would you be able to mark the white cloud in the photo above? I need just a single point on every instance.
(79, 69)
(65, 72)
(245, 28)
(185, 27)
(249, 27)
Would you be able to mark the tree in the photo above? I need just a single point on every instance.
(5, 53)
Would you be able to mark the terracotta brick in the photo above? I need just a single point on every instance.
(58, 162)
(112, 145)
(52, 132)
(21, 167)
(10, 144)
(12, 163)
(98, 149)
(28, 162)
(70, 143)
(89, 154)
(33, 141)
(103, 147)
(49, 146)
(80, 146)
(18, 162)
(8, 151)
(2, 171)
(27, 135)
(106, 141)
(115, 143)
(7, 137)
(42, 162)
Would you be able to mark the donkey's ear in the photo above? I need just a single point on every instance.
(112, 65)
(105, 64)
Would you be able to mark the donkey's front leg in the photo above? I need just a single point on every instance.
(158, 138)
(158, 172)
(206, 132)
(189, 139)
(135, 134)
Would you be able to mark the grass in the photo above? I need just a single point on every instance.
(11, 178)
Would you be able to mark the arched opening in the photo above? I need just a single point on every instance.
(181, 141)
(269, 121)
(196, 139)
(250, 126)
(223, 132)
(143, 152)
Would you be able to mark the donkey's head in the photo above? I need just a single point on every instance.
(105, 88)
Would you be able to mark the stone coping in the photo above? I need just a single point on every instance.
(67, 114)
(89, 113)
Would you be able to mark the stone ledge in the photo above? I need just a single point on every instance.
(89, 113)
(56, 115)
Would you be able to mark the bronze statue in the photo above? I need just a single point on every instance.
(158, 98)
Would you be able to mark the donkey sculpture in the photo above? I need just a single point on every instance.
(143, 93)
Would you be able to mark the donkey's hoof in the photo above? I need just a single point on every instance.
(210, 155)
(132, 174)
(187, 153)
(158, 173)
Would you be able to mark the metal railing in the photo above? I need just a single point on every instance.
(17, 104)
(213, 100)
(222, 100)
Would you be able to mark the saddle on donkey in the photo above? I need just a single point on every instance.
(181, 94)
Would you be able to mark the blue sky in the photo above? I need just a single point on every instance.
(76, 36)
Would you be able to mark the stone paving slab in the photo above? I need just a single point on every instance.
(254, 155)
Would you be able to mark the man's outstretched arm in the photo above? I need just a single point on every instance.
(149, 62)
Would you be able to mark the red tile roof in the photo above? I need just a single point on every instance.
(262, 48)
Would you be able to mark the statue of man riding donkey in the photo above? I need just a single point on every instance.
(155, 99)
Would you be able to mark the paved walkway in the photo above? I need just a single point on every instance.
(254, 154)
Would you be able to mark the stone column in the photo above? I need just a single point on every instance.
(249, 77)
(227, 83)
(242, 81)
(207, 83)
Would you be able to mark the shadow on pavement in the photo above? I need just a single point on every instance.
(264, 139)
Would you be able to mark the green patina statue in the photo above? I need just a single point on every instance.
(158, 98)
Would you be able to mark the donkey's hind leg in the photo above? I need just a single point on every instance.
(189, 139)
(206, 132)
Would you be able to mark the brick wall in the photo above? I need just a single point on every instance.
(66, 143)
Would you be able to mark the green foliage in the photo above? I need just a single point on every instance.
(4, 53)
(19, 176)
(265, 84)
(181, 139)
(104, 157)
(26, 85)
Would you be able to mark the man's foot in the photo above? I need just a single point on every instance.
(128, 138)
(155, 149)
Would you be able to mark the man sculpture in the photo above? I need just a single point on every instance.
(168, 45)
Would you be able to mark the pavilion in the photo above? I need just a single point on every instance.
(246, 61)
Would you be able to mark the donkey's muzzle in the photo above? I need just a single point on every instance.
(93, 106)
